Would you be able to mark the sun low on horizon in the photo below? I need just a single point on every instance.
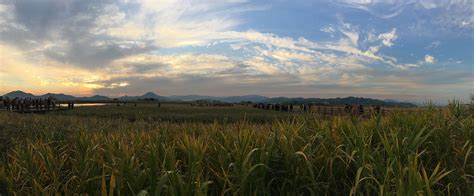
(412, 50)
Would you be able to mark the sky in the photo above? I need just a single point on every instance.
(411, 50)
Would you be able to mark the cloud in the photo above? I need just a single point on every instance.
(67, 31)
(109, 39)
(379, 8)
(433, 45)
(170, 66)
(349, 44)
(447, 14)
(20, 70)
(429, 59)
(176, 24)
(328, 29)
(388, 38)
(201, 47)
(91, 34)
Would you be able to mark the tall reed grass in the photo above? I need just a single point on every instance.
(427, 152)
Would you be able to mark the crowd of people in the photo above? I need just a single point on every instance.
(219, 104)
(28, 104)
(285, 107)
(348, 109)
(279, 107)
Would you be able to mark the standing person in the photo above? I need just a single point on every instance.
(361, 109)
(291, 107)
(28, 103)
(40, 104)
(48, 103)
(21, 104)
(6, 102)
(377, 110)
(35, 104)
(347, 109)
(17, 104)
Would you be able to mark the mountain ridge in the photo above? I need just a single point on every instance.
(229, 99)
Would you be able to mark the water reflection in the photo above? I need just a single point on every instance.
(87, 104)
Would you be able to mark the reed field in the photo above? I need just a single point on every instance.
(184, 150)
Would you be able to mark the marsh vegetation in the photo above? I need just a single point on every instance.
(182, 150)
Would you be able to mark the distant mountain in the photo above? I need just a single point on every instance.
(96, 98)
(151, 95)
(391, 100)
(62, 97)
(19, 94)
(59, 96)
(231, 99)
(191, 97)
(148, 95)
(252, 98)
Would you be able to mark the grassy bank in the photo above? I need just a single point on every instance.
(218, 151)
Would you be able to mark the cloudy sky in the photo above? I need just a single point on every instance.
(402, 49)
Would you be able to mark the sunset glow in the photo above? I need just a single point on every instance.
(410, 50)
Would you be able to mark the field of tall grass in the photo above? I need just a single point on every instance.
(243, 151)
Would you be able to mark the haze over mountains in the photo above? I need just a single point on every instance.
(148, 95)
(229, 99)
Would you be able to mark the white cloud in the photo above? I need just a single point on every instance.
(171, 24)
(433, 45)
(350, 33)
(328, 29)
(153, 65)
(429, 59)
(174, 23)
(305, 48)
(261, 65)
(448, 13)
(388, 38)
(348, 60)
